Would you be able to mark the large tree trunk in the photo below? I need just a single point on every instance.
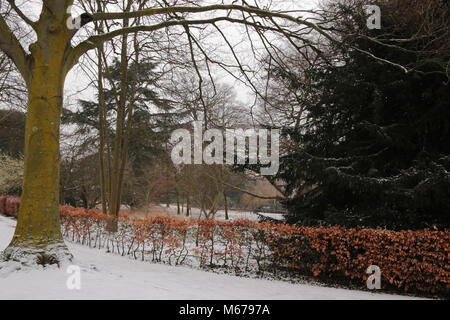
(37, 237)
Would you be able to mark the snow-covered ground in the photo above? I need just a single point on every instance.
(171, 210)
(106, 276)
(220, 215)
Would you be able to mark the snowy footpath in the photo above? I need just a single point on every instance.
(106, 276)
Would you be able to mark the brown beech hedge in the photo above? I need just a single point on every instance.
(410, 261)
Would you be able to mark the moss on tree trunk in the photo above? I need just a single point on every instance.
(38, 231)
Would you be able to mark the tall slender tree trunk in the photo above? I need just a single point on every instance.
(128, 127)
(225, 200)
(101, 130)
(114, 202)
(178, 202)
(188, 206)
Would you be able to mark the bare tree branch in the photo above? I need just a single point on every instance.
(94, 41)
(11, 46)
(251, 193)
(27, 20)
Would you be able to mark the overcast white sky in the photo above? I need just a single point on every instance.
(77, 81)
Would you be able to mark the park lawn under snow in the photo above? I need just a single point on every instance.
(107, 276)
